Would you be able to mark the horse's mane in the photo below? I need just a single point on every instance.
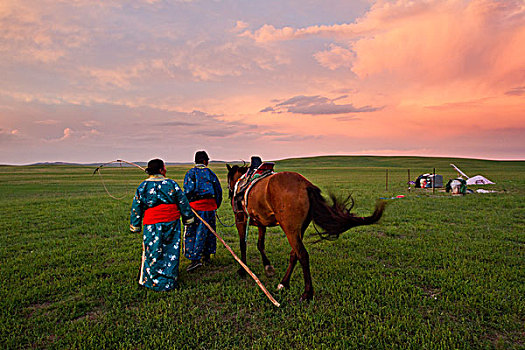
(232, 170)
(235, 169)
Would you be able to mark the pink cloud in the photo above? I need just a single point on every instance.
(336, 57)
(8, 136)
(47, 122)
(268, 33)
(119, 77)
(516, 91)
(29, 36)
(382, 15)
(317, 105)
(425, 42)
(240, 26)
(67, 133)
(91, 123)
(92, 133)
(446, 41)
(433, 63)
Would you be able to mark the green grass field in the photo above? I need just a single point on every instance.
(438, 271)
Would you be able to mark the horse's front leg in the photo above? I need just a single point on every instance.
(241, 223)
(268, 268)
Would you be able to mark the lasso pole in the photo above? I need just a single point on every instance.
(117, 161)
(256, 279)
(97, 170)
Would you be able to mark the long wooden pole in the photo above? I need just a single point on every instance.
(434, 182)
(256, 279)
(408, 182)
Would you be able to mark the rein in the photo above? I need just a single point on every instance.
(220, 221)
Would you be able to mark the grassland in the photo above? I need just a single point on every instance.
(438, 271)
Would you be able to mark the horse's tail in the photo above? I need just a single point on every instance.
(336, 219)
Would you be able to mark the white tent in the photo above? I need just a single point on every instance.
(475, 180)
(479, 180)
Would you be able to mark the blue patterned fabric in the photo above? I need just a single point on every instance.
(161, 241)
(160, 255)
(198, 240)
(199, 183)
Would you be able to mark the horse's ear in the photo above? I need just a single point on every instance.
(228, 167)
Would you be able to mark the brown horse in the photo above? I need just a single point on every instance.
(291, 201)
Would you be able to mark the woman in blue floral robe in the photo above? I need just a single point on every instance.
(203, 189)
(158, 204)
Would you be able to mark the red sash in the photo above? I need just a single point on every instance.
(161, 213)
(206, 204)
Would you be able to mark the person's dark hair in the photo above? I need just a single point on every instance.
(200, 157)
(155, 166)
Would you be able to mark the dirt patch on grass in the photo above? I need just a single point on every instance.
(90, 316)
(380, 234)
(37, 308)
(431, 292)
(46, 342)
(505, 340)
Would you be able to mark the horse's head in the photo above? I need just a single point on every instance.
(234, 174)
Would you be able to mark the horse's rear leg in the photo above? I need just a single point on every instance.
(241, 223)
(268, 268)
(304, 259)
(299, 253)
(285, 282)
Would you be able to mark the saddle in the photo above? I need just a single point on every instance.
(246, 182)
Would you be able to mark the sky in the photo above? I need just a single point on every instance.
(92, 81)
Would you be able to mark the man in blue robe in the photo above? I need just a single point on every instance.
(158, 205)
(203, 189)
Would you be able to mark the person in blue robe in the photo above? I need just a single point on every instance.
(158, 205)
(204, 192)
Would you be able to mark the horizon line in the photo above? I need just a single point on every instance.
(273, 160)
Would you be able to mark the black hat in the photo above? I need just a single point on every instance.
(201, 156)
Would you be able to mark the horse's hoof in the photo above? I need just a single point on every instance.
(241, 272)
(269, 270)
(306, 297)
(280, 286)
